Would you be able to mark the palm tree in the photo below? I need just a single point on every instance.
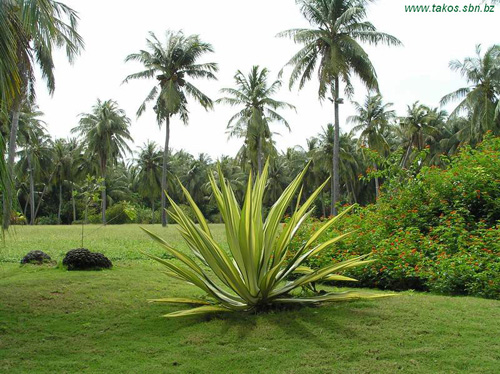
(235, 175)
(35, 28)
(481, 97)
(105, 131)
(418, 128)
(317, 171)
(179, 164)
(333, 46)
(196, 179)
(259, 109)
(278, 179)
(149, 173)
(35, 154)
(371, 120)
(66, 159)
(118, 184)
(172, 64)
(454, 132)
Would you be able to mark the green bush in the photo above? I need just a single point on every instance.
(47, 220)
(437, 231)
(144, 215)
(94, 219)
(120, 213)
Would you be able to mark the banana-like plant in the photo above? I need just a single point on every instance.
(255, 272)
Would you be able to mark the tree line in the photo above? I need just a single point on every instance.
(47, 175)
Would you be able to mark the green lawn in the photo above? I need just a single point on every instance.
(55, 321)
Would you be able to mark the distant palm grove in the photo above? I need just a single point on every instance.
(99, 176)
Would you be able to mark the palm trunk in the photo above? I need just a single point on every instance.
(43, 193)
(32, 191)
(164, 174)
(323, 207)
(73, 202)
(336, 145)
(152, 211)
(103, 192)
(353, 192)
(259, 155)
(407, 155)
(26, 205)
(103, 203)
(60, 205)
(377, 186)
(7, 206)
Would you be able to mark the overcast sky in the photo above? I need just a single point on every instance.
(243, 34)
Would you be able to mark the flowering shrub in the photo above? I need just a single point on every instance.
(438, 231)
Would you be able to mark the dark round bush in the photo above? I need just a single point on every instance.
(36, 257)
(83, 259)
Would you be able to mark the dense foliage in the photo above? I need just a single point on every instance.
(437, 230)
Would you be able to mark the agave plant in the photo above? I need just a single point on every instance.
(254, 273)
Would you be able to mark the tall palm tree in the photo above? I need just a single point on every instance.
(371, 120)
(333, 46)
(481, 96)
(259, 109)
(173, 64)
(149, 173)
(105, 131)
(36, 27)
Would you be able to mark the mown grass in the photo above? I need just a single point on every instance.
(118, 242)
(55, 321)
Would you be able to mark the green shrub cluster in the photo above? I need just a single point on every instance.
(51, 219)
(437, 231)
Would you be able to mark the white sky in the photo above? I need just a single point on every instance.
(243, 34)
